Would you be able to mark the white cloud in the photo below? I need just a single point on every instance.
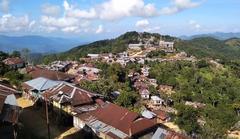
(180, 5)
(52, 10)
(194, 25)
(142, 23)
(9, 22)
(66, 5)
(65, 24)
(71, 11)
(116, 9)
(99, 29)
(77, 13)
(4, 5)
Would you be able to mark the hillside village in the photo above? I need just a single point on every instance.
(132, 103)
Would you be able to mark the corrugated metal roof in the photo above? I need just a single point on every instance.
(160, 134)
(148, 114)
(42, 84)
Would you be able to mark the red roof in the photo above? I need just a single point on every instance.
(13, 61)
(175, 135)
(161, 114)
(120, 118)
(36, 72)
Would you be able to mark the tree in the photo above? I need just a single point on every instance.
(3, 56)
(187, 119)
(16, 54)
(25, 54)
(3, 68)
(126, 99)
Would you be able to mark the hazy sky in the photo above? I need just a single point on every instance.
(93, 19)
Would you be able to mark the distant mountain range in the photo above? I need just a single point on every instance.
(37, 44)
(216, 35)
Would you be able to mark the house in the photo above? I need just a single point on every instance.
(106, 56)
(161, 116)
(36, 72)
(122, 61)
(9, 111)
(85, 72)
(68, 98)
(14, 62)
(157, 101)
(135, 46)
(164, 133)
(148, 114)
(88, 69)
(145, 94)
(121, 124)
(153, 82)
(166, 46)
(140, 85)
(93, 56)
(123, 55)
(60, 66)
(34, 89)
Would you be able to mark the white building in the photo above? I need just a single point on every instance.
(135, 46)
(93, 56)
(157, 100)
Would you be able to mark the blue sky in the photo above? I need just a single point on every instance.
(97, 19)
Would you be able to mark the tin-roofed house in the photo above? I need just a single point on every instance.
(34, 89)
(71, 100)
(9, 111)
(111, 121)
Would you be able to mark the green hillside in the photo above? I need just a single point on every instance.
(116, 45)
(235, 42)
(209, 47)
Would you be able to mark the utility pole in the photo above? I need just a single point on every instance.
(15, 131)
(48, 126)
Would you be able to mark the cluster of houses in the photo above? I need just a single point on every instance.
(72, 72)
(137, 53)
(55, 85)
(165, 46)
(91, 113)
